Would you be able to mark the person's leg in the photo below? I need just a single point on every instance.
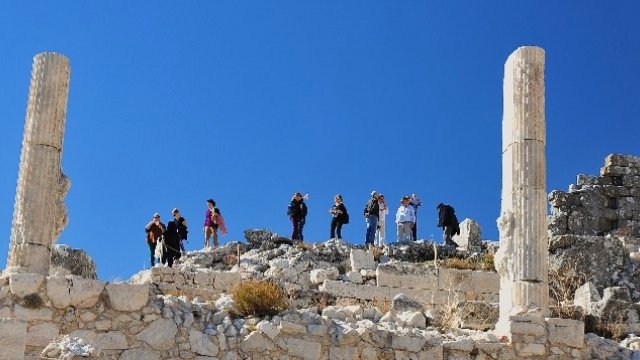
(182, 246)
(381, 232)
(207, 235)
(152, 248)
(300, 228)
(374, 226)
(339, 229)
(294, 233)
(334, 224)
(215, 237)
(414, 230)
(170, 258)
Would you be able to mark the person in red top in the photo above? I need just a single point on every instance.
(210, 226)
(154, 230)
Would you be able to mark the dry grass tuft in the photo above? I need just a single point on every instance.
(485, 263)
(259, 298)
(32, 301)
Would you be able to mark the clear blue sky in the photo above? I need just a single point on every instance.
(248, 101)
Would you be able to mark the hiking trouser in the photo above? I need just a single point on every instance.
(447, 235)
(152, 249)
(297, 229)
(404, 231)
(372, 224)
(380, 232)
(336, 225)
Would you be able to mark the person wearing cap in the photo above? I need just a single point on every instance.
(297, 212)
(182, 227)
(380, 231)
(371, 214)
(154, 230)
(210, 225)
(405, 219)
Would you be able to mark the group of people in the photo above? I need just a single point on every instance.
(375, 212)
(172, 237)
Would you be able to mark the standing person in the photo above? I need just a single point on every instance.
(416, 203)
(339, 217)
(297, 212)
(182, 228)
(406, 219)
(371, 214)
(210, 227)
(171, 244)
(448, 221)
(382, 215)
(154, 230)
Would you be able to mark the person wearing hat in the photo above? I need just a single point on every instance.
(371, 214)
(297, 212)
(154, 230)
(182, 227)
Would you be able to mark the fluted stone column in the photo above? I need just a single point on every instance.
(39, 212)
(522, 260)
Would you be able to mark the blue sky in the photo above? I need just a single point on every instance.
(247, 102)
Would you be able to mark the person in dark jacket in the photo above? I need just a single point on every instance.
(371, 214)
(339, 217)
(448, 221)
(171, 244)
(182, 228)
(297, 212)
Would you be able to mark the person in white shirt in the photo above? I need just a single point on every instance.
(405, 218)
(384, 210)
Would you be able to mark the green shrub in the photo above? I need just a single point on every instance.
(259, 298)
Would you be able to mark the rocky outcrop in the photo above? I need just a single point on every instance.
(69, 261)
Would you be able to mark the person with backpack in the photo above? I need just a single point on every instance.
(371, 214)
(297, 212)
(382, 215)
(171, 244)
(210, 226)
(154, 230)
(339, 217)
(182, 228)
(448, 221)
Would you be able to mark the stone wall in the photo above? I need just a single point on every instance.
(59, 317)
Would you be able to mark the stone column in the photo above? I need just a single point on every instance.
(39, 213)
(522, 260)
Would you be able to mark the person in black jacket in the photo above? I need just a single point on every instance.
(171, 244)
(371, 214)
(297, 213)
(448, 221)
(339, 217)
(181, 222)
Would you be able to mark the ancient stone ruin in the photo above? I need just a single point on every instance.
(338, 301)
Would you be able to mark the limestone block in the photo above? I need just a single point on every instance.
(369, 292)
(585, 296)
(25, 283)
(203, 277)
(12, 338)
(256, 342)
(317, 330)
(268, 329)
(402, 302)
(127, 297)
(103, 325)
(335, 312)
(470, 234)
(369, 353)
(318, 276)
(485, 281)
(566, 332)
(27, 314)
(464, 345)
(354, 277)
(407, 342)
(159, 334)
(343, 353)
(339, 288)
(304, 349)
(526, 350)
(226, 281)
(361, 259)
(287, 327)
(455, 279)
(413, 319)
(73, 291)
(200, 344)
(112, 340)
(427, 281)
(6, 313)
(140, 354)
(42, 334)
